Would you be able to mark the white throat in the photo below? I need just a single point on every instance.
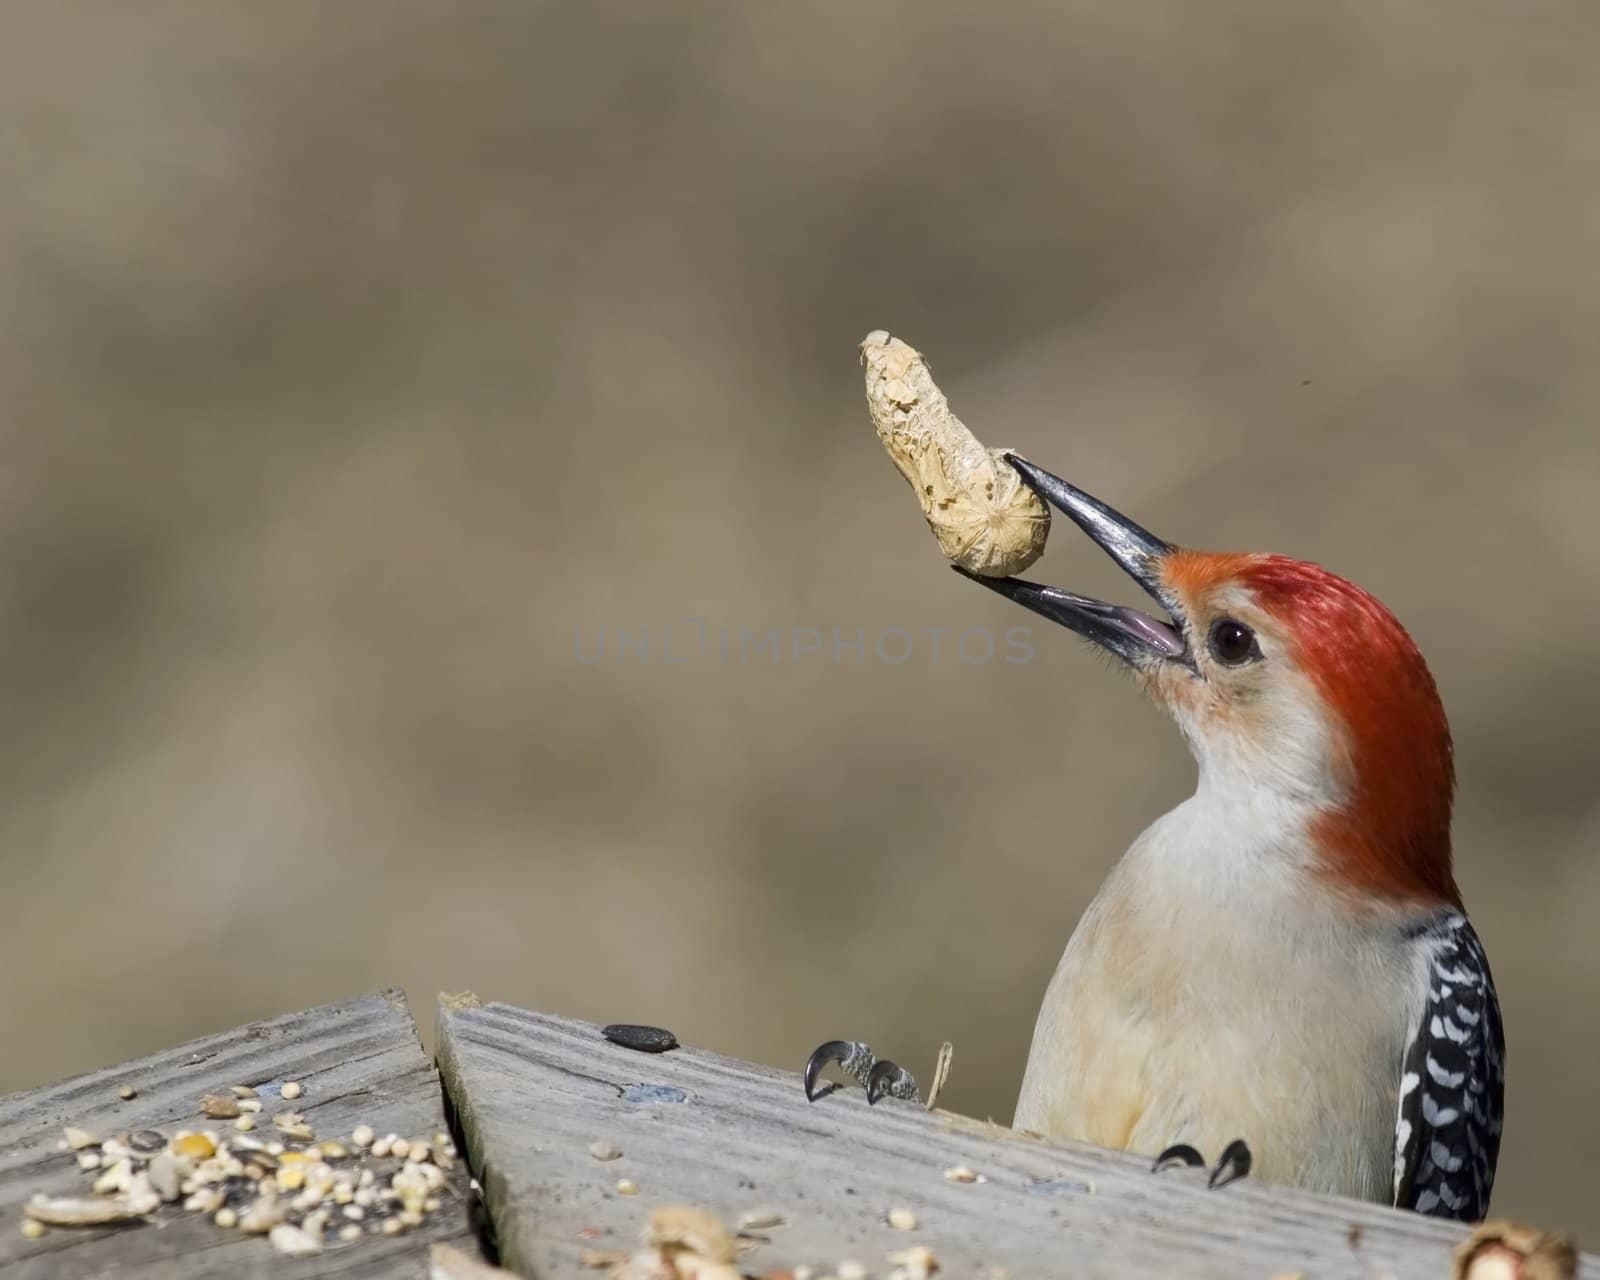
(1229, 845)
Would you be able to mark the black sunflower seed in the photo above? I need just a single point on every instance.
(644, 1039)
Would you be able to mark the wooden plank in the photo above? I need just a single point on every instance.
(359, 1061)
(532, 1092)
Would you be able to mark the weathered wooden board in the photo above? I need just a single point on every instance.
(359, 1062)
(532, 1093)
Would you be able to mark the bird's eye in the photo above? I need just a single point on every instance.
(1233, 643)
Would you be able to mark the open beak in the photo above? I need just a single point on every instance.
(1136, 637)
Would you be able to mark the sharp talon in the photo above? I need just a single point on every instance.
(890, 1078)
(1233, 1164)
(856, 1061)
(880, 1079)
(1181, 1154)
(834, 1051)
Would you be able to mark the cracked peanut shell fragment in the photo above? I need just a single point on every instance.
(982, 513)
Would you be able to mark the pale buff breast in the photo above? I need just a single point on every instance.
(1173, 1018)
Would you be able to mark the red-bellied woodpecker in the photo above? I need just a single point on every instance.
(1284, 957)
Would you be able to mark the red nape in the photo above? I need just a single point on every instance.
(1392, 838)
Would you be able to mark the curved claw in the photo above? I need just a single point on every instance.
(839, 1051)
(1232, 1164)
(1180, 1154)
(891, 1078)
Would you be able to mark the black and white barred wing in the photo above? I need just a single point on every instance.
(1452, 1083)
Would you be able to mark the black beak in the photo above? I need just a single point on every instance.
(1136, 637)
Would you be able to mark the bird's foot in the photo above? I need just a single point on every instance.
(878, 1076)
(1231, 1165)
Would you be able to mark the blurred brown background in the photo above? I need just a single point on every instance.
(366, 366)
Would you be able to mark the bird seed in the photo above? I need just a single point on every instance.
(219, 1106)
(286, 1190)
(644, 1039)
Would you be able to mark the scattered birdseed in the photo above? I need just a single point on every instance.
(1500, 1249)
(644, 1039)
(291, 1090)
(114, 1179)
(294, 1241)
(850, 1269)
(250, 1106)
(164, 1176)
(699, 1231)
(605, 1150)
(91, 1211)
(685, 1242)
(286, 1189)
(241, 1091)
(627, 1187)
(262, 1216)
(197, 1146)
(205, 1200)
(917, 1263)
(960, 1173)
(902, 1219)
(761, 1220)
(127, 1093)
(32, 1228)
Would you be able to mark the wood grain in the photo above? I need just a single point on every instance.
(533, 1092)
(359, 1061)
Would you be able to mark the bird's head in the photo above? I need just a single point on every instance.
(1292, 686)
